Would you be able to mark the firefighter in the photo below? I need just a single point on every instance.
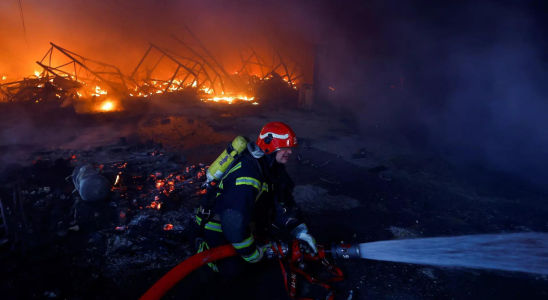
(254, 197)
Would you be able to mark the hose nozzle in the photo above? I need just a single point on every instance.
(345, 251)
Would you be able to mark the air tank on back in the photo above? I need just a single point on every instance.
(220, 165)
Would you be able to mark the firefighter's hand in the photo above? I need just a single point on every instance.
(307, 242)
(266, 250)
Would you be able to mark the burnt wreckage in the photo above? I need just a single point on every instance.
(128, 207)
(192, 70)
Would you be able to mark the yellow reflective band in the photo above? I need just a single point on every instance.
(264, 188)
(246, 243)
(212, 265)
(249, 181)
(213, 226)
(210, 225)
(236, 167)
(252, 258)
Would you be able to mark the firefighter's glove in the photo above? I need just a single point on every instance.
(266, 250)
(308, 243)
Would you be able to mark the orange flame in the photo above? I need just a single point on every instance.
(99, 91)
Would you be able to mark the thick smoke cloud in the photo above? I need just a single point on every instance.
(472, 74)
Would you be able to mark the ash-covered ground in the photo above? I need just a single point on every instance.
(355, 186)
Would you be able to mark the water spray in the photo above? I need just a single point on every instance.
(519, 252)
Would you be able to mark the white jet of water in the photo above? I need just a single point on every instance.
(522, 252)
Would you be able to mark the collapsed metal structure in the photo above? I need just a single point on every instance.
(68, 74)
(189, 72)
(293, 70)
(87, 71)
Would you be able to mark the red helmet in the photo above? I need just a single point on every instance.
(276, 135)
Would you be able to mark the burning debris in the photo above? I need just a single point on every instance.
(136, 221)
(193, 73)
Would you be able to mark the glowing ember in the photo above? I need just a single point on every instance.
(228, 99)
(117, 179)
(168, 227)
(155, 204)
(159, 184)
(331, 88)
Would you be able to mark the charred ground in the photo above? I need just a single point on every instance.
(389, 190)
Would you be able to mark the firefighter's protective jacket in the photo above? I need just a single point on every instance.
(254, 191)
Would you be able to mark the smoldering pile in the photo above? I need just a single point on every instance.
(141, 224)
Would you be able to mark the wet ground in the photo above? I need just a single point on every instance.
(415, 193)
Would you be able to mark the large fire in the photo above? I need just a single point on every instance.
(193, 71)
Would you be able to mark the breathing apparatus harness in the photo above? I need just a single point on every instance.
(295, 258)
(214, 174)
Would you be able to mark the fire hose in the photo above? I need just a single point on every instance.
(296, 259)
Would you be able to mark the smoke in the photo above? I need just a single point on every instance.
(472, 81)
(463, 77)
(118, 31)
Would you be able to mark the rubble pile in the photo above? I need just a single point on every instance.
(141, 226)
(191, 71)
